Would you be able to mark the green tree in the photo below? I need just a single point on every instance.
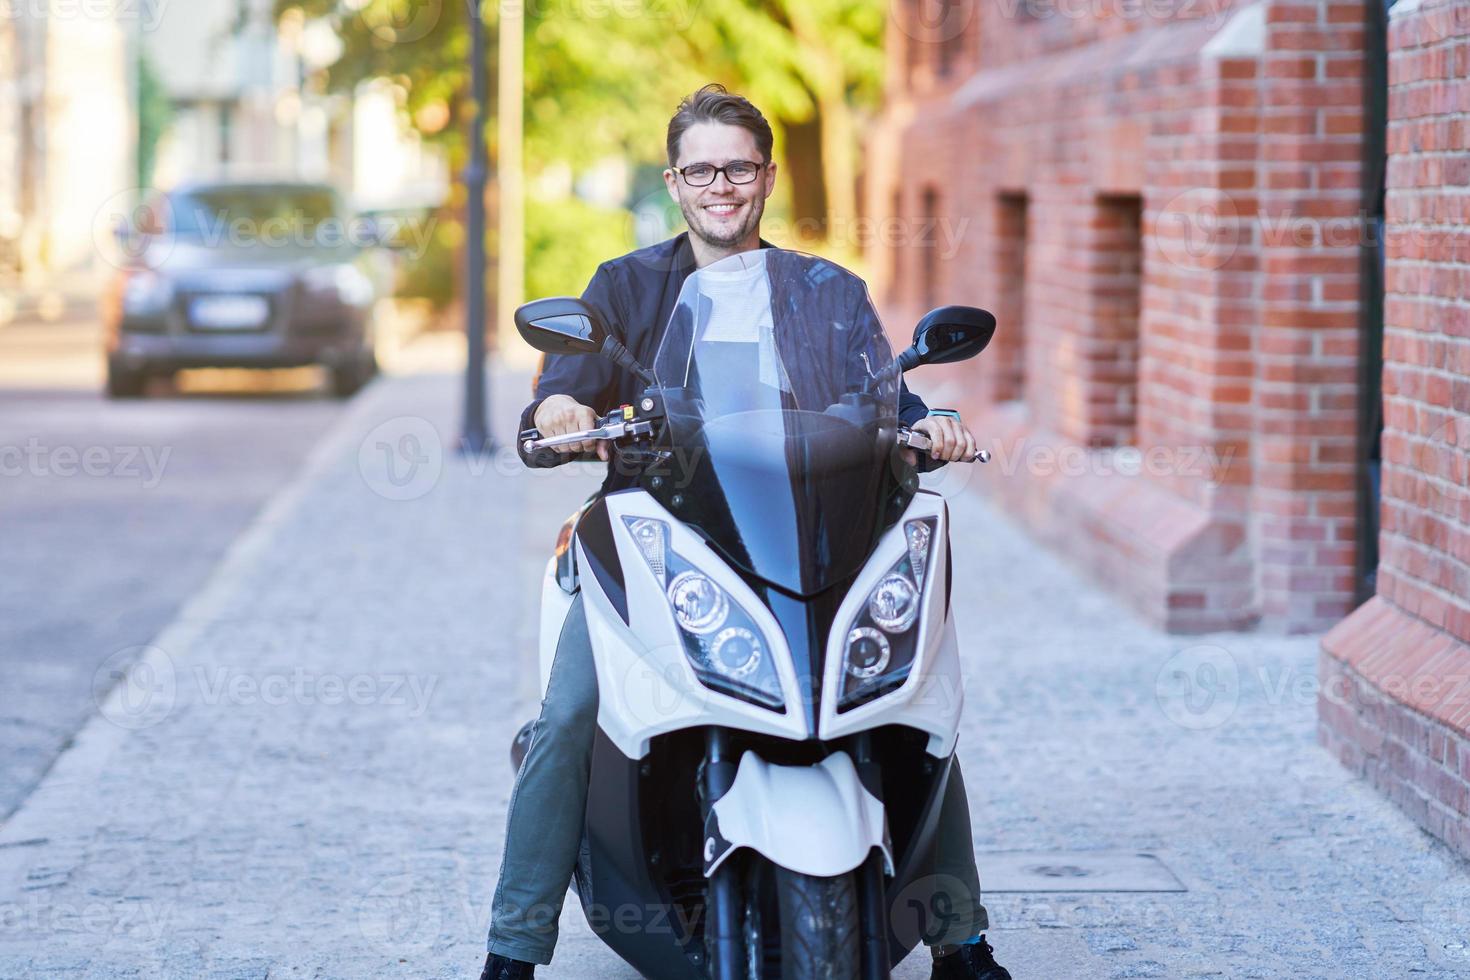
(601, 80)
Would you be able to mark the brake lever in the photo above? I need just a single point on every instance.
(922, 443)
(635, 428)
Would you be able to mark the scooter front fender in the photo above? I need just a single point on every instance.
(817, 820)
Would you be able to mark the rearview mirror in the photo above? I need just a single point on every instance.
(949, 334)
(561, 325)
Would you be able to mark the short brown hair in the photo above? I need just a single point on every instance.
(714, 103)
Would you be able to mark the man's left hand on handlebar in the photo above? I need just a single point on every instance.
(951, 441)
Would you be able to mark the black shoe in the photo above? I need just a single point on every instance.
(973, 962)
(500, 968)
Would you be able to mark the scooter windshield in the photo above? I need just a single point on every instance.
(782, 409)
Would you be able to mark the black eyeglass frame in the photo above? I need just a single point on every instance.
(722, 170)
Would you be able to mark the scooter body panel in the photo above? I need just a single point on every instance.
(817, 820)
(640, 882)
(646, 686)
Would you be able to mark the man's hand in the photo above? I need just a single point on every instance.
(951, 441)
(561, 414)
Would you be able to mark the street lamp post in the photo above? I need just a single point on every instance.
(475, 435)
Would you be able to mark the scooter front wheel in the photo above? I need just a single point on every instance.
(819, 926)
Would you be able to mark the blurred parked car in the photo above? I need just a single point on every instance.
(228, 274)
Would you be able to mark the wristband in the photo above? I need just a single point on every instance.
(949, 412)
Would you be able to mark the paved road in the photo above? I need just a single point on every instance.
(113, 513)
(310, 779)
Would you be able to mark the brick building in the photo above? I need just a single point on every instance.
(1170, 206)
(1395, 700)
(1161, 207)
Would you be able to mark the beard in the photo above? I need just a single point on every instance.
(723, 234)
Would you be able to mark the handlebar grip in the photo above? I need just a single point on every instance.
(921, 443)
(538, 457)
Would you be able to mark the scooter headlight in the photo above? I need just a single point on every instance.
(884, 639)
(894, 604)
(722, 642)
(868, 653)
(699, 604)
(736, 652)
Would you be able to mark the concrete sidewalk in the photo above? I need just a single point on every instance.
(307, 775)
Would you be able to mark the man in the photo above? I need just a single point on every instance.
(720, 172)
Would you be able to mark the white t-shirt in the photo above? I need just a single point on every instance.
(741, 313)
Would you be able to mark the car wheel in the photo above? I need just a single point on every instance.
(123, 383)
(349, 377)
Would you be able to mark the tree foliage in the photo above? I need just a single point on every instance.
(603, 76)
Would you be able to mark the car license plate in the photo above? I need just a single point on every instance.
(229, 312)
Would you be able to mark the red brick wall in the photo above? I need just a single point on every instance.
(1226, 134)
(1400, 715)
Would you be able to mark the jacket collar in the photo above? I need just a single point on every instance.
(684, 253)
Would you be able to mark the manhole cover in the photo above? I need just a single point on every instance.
(1074, 871)
(1059, 871)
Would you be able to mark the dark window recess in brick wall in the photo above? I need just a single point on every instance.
(929, 239)
(896, 250)
(1009, 304)
(1117, 295)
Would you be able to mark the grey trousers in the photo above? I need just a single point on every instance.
(548, 806)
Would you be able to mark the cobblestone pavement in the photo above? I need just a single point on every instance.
(309, 777)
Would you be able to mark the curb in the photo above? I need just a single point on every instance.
(76, 769)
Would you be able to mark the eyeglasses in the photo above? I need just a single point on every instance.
(704, 174)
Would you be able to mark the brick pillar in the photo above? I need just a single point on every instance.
(1309, 203)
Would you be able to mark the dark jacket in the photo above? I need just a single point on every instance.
(636, 295)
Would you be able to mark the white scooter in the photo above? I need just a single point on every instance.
(779, 676)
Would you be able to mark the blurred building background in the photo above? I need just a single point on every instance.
(236, 79)
(1176, 212)
(65, 123)
(99, 102)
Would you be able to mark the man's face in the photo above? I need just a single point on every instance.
(721, 214)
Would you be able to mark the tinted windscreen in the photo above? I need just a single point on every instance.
(782, 404)
(222, 213)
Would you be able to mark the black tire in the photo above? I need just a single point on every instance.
(349, 377)
(122, 383)
(819, 926)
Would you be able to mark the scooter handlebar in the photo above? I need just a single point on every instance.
(918, 441)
